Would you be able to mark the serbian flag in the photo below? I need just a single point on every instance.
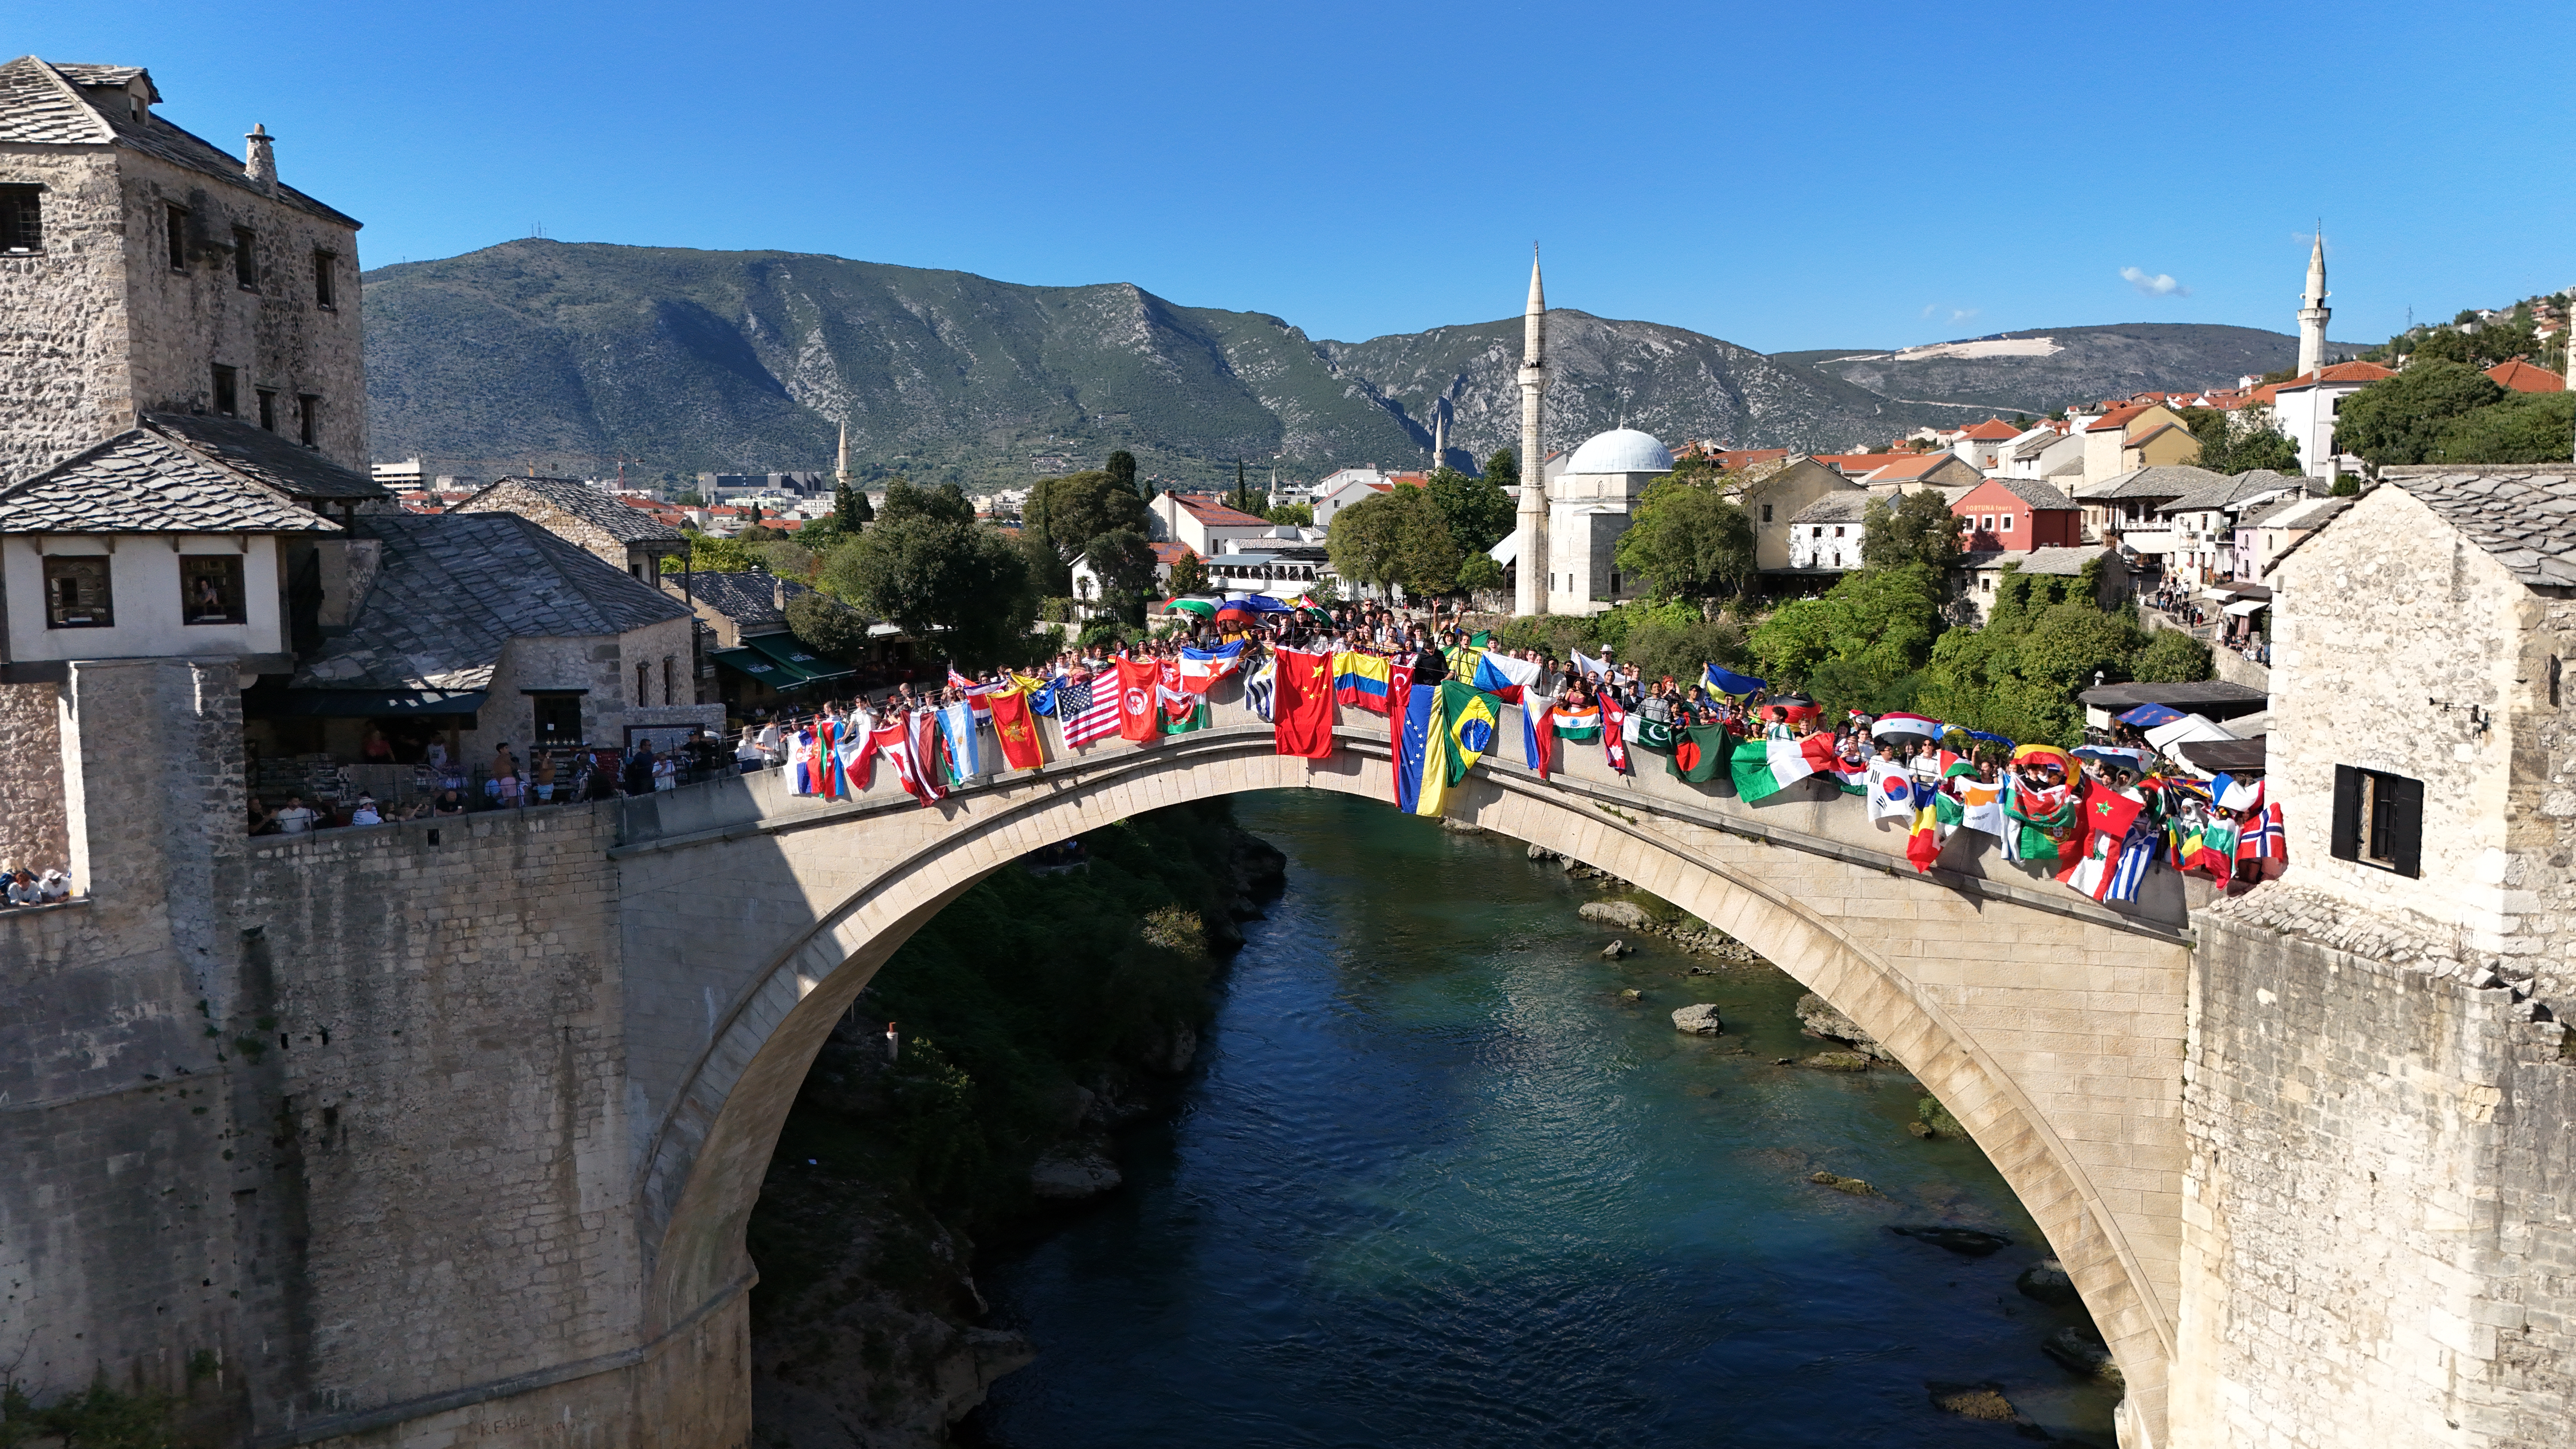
(1504, 677)
(1301, 709)
(1614, 733)
(1017, 729)
(1201, 668)
(1360, 681)
(1538, 732)
(1138, 683)
(1399, 693)
(1763, 768)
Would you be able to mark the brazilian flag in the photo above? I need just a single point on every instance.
(1700, 752)
(1471, 716)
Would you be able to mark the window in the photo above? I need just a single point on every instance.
(1986, 523)
(1766, 513)
(174, 230)
(227, 391)
(267, 408)
(1817, 531)
(308, 420)
(76, 592)
(670, 677)
(2378, 820)
(246, 258)
(22, 218)
(643, 685)
(558, 719)
(1838, 530)
(324, 294)
(2008, 518)
(210, 588)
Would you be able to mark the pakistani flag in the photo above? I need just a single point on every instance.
(1653, 734)
(1699, 752)
(1764, 768)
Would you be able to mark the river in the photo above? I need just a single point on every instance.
(1435, 1183)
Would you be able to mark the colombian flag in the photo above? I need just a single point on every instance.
(1360, 681)
(1421, 754)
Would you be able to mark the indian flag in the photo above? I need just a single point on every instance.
(1763, 768)
(1581, 724)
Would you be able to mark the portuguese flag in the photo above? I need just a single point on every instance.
(1764, 768)
(1699, 752)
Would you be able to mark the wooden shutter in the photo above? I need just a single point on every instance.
(2406, 825)
(2346, 842)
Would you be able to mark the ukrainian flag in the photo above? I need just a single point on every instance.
(1422, 755)
(1471, 717)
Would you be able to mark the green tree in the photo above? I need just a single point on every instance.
(2400, 419)
(2241, 441)
(1480, 573)
(1478, 512)
(709, 554)
(1189, 574)
(827, 626)
(1688, 539)
(945, 579)
(1858, 646)
(1065, 514)
(1399, 538)
(1121, 468)
(1503, 470)
(2172, 657)
(1918, 529)
(850, 507)
(2521, 427)
(1123, 558)
(1302, 515)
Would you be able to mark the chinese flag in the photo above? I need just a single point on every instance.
(1018, 732)
(1301, 708)
(1138, 683)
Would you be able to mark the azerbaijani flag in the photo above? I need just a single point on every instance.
(1763, 768)
(1471, 718)
(1504, 677)
(1579, 724)
(1203, 667)
(1360, 680)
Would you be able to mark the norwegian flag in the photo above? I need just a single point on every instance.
(2260, 838)
(1087, 707)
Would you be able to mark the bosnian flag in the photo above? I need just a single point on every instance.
(1203, 667)
(1504, 677)
(1763, 768)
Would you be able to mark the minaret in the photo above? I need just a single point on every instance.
(1440, 433)
(2313, 315)
(1529, 596)
(841, 475)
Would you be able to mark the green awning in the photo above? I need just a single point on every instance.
(784, 649)
(760, 666)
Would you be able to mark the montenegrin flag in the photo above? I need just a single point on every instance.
(1203, 667)
(1578, 724)
(1360, 680)
(1017, 730)
(1421, 754)
(1763, 768)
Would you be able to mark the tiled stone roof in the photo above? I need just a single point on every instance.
(289, 467)
(591, 505)
(745, 598)
(41, 105)
(2168, 480)
(142, 482)
(1836, 507)
(2067, 562)
(452, 590)
(2034, 492)
(2525, 517)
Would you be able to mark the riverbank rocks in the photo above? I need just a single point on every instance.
(1852, 1185)
(1073, 1172)
(1700, 1020)
(1984, 1402)
(1817, 1017)
(1839, 1062)
(1966, 1242)
(2047, 1282)
(1624, 915)
(1614, 950)
(2080, 1350)
(1461, 827)
(1632, 994)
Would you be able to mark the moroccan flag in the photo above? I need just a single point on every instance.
(1138, 683)
(1654, 734)
(1470, 717)
(1763, 768)
(1538, 733)
(1578, 725)
(1360, 680)
(1699, 752)
(1301, 705)
(1399, 694)
(1614, 734)
(1421, 757)
(1017, 730)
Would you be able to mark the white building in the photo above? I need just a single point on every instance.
(1827, 533)
(1591, 494)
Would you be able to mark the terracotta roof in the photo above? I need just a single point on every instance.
(143, 482)
(287, 466)
(1992, 430)
(2525, 517)
(2118, 417)
(2341, 372)
(1897, 467)
(2521, 376)
(2157, 431)
(580, 500)
(1169, 553)
(1212, 514)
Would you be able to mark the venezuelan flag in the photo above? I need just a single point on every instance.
(1421, 754)
(1472, 716)
(1360, 681)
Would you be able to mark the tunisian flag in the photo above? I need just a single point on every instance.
(1301, 713)
(1016, 730)
(1138, 684)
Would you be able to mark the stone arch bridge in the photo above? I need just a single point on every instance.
(492, 1180)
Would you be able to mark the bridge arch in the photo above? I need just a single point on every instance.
(1978, 988)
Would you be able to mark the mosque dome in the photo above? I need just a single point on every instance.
(1620, 450)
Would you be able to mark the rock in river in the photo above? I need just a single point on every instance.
(1625, 915)
(1700, 1020)
(2079, 1350)
(2046, 1281)
(1975, 1401)
(1852, 1185)
(1817, 1017)
(1073, 1172)
(1966, 1242)
(1839, 1062)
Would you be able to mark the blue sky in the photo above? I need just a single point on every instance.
(1798, 176)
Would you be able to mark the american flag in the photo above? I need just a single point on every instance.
(1085, 715)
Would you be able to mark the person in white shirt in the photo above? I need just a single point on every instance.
(294, 819)
(56, 886)
(366, 813)
(773, 746)
(23, 890)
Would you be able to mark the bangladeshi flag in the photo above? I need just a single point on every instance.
(1699, 752)
(1139, 681)
(1301, 712)
(1017, 731)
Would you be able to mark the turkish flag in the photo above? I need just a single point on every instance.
(1301, 708)
(1399, 699)
(1016, 730)
(1138, 683)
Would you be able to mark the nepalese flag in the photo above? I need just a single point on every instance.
(1614, 734)
(1504, 677)
(1256, 690)
(965, 743)
(1577, 724)
(1201, 668)
(1360, 680)
(1087, 707)
(1763, 768)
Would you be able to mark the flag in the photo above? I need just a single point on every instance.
(2131, 870)
(1982, 807)
(1481, 639)
(1399, 693)
(1577, 724)
(1199, 717)
(1201, 668)
(853, 752)
(1470, 716)
(1923, 836)
(1176, 701)
(1042, 695)
(1256, 690)
(1195, 607)
(1891, 791)
(2216, 852)
(1538, 732)
(1763, 768)
(1421, 773)
(1585, 666)
(893, 741)
(1359, 681)
(2038, 823)
(1017, 731)
(2260, 839)
(1302, 705)
(1138, 682)
(1699, 752)
(827, 775)
(1614, 734)
(1504, 677)
(1721, 680)
(1653, 734)
(965, 747)
(957, 680)
(1088, 707)
(2107, 815)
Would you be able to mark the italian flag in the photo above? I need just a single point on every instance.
(1764, 768)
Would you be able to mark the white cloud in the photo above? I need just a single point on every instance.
(2158, 284)
(1962, 314)
(1928, 310)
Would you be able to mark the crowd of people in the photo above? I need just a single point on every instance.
(24, 887)
(553, 777)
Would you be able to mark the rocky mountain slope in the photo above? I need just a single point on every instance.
(569, 357)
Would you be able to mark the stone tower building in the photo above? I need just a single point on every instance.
(1530, 586)
(2313, 310)
(150, 272)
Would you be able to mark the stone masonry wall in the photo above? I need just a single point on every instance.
(2377, 1241)
(63, 320)
(31, 779)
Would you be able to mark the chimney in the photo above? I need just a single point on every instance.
(778, 592)
(259, 161)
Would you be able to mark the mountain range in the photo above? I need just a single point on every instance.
(573, 357)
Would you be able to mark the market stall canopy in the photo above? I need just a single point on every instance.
(2248, 606)
(2189, 727)
(2224, 757)
(2215, 698)
(2148, 716)
(787, 650)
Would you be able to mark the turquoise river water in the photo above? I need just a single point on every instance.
(1435, 1183)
